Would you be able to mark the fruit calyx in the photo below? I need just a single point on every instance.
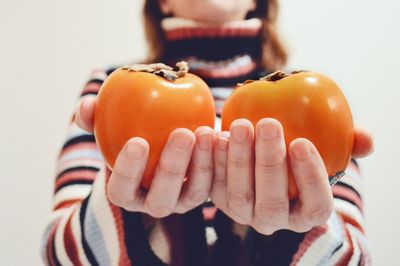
(160, 69)
(279, 74)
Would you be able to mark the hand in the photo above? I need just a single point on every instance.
(185, 154)
(251, 183)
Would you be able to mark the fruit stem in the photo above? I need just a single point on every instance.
(161, 69)
(277, 75)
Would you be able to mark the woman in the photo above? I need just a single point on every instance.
(102, 217)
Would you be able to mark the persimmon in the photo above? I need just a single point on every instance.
(149, 101)
(308, 105)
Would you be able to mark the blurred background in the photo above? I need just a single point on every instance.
(49, 47)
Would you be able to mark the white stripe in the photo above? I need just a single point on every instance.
(211, 235)
(81, 153)
(71, 192)
(59, 240)
(76, 231)
(175, 22)
(75, 131)
(322, 247)
(160, 244)
(356, 250)
(348, 209)
(221, 65)
(105, 219)
(221, 92)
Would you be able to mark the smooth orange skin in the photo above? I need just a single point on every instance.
(137, 104)
(308, 105)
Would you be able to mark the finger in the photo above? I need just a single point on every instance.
(171, 170)
(196, 190)
(219, 183)
(272, 203)
(363, 143)
(84, 113)
(240, 171)
(315, 197)
(123, 186)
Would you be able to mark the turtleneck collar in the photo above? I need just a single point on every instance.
(222, 54)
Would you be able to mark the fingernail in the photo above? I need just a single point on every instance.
(135, 150)
(182, 141)
(205, 141)
(240, 133)
(302, 152)
(268, 131)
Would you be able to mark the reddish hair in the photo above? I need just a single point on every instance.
(273, 53)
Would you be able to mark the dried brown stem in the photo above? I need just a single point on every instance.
(161, 69)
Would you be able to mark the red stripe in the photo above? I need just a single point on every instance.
(66, 204)
(227, 72)
(181, 33)
(349, 253)
(79, 146)
(346, 193)
(85, 175)
(91, 87)
(69, 243)
(209, 213)
(50, 243)
(309, 239)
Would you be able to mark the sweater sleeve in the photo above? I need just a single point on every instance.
(84, 227)
(341, 241)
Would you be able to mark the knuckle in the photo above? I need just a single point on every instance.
(272, 212)
(117, 198)
(170, 172)
(220, 182)
(204, 168)
(320, 215)
(238, 161)
(158, 210)
(240, 199)
(271, 163)
(197, 197)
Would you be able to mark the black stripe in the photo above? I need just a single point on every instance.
(54, 253)
(79, 139)
(341, 184)
(347, 200)
(337, 249)
(277, 249)
(89, 93)
(75, 182)
(208, 204)
(355, 162)
(97, 81)
(231, 81)
(137, 241)
(214, 49)
(78, 168)
(194, 238)
(228, 249)
(88, 251)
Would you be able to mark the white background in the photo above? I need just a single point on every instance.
(48, 48)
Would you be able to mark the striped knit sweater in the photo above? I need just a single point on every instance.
(85, 228)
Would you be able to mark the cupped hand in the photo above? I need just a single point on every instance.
(186, 154)
(250, 182)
